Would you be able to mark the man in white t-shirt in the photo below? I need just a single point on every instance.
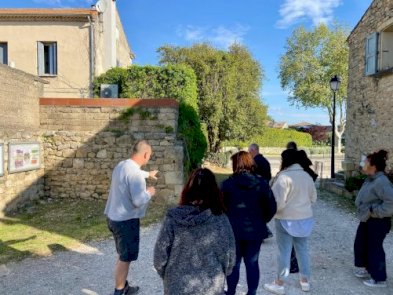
(127, 203)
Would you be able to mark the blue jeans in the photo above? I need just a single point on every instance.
(249, 251)
(284, 243)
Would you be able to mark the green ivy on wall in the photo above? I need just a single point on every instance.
(172, 81)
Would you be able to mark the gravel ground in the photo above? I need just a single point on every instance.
(89, 269)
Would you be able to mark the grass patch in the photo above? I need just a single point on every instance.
(61, 224)
(220, 172)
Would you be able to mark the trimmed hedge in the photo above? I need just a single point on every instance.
(172, 81)
(273, 137)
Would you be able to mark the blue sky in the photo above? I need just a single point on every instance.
(261, 25)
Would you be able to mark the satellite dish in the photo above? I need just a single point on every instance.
(101, 6)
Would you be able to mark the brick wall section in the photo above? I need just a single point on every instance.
(85, 139)
(370, 99)
(19, 94)
(95, 114)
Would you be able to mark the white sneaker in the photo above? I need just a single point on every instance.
(305, 286)
(361, 273)
(274, 288)
(373, 283)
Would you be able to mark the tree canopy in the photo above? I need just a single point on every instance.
(229, 84)
(311, 59)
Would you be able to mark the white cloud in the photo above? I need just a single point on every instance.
(220, 36)
(319, 11)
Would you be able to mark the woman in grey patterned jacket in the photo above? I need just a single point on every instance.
(375, 209)
(195, 249)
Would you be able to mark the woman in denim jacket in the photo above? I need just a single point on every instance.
(374, 204)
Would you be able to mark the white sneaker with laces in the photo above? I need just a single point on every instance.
(305, 286)
(375, 284)
(274, 288)
(361, 273)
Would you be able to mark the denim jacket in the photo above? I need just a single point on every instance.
(375, 198)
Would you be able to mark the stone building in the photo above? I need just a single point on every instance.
(66, 47)
(370, 85)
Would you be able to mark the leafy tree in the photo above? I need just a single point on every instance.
(311, 59)
(229, 83)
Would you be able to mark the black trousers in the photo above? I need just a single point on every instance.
(368, 247)
(294, 268)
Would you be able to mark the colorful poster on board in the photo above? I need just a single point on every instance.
(23, 157)
(1, 159)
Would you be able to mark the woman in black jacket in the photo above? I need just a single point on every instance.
(250, 205)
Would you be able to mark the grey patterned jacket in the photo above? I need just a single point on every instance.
(194, 252)
(375, 198)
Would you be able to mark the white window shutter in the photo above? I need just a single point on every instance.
(371, 62)
(40, 58)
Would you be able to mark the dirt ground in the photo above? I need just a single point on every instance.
(89, 269)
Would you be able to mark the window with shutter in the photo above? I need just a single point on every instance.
(47, 58)
(386, 62)
(3, 53)
(371, 54)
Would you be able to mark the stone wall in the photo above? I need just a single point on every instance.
(81, 140)
(370, 98)
(85, 139)
(19, 94)
(19, 122)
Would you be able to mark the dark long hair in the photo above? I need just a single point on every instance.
(378, 159)
(201, 190)
(288, 158)
(305, 162)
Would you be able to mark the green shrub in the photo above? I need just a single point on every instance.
(276, 138)
(219, 159)
(354, 182)
(172, 81)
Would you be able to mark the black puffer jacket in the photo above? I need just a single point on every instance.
(248, 199)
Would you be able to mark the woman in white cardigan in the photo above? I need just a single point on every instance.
(294, 191)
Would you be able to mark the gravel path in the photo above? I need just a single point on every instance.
(89, 269)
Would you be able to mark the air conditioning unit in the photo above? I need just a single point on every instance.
(109, 90)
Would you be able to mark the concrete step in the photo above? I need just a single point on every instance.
(339, 183)
(340, 175)
(337, 187)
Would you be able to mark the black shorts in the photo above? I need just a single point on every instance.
(126, 235)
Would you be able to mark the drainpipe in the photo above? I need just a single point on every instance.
(92, 55)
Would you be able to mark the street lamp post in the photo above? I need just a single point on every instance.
(334, 85)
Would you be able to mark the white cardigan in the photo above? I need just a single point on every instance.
(294, 191)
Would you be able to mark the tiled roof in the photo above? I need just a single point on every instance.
(46, 12)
